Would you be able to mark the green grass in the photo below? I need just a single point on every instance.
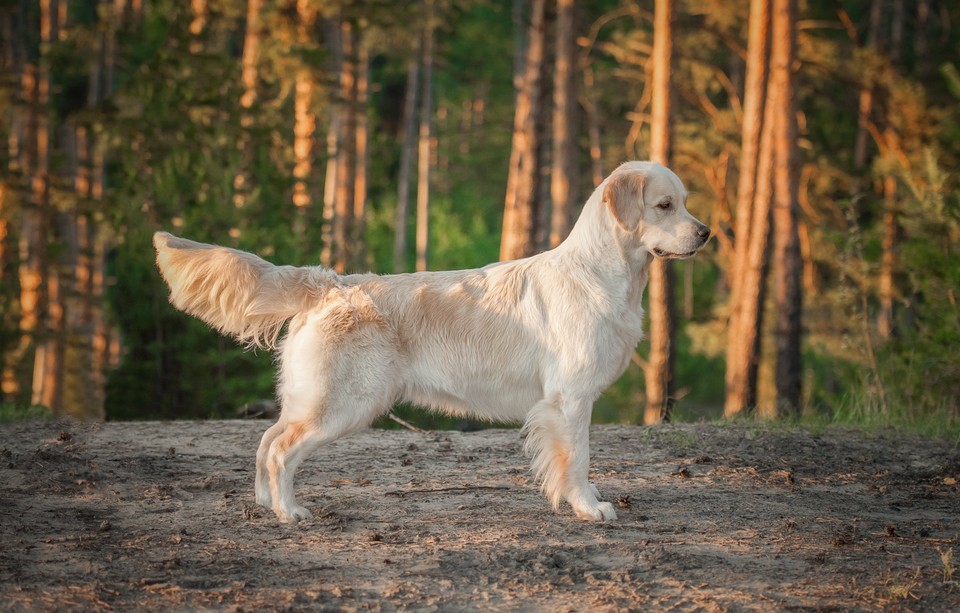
(10, 412)
(866, 408)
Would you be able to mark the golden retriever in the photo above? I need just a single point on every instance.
(534, 340)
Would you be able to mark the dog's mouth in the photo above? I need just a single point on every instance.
(669, 255)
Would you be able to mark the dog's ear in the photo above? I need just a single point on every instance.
(623, 195)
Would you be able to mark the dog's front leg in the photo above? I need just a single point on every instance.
(581, 494)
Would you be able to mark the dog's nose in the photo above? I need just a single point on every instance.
(703, 232)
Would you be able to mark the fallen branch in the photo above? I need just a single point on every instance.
(404, 423)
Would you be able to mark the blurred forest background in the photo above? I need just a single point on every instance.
(819, 139)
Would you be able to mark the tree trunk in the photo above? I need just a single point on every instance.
(752, 222)
(34, 297)
(358, 252)
(659, 367)
(345, 192)
(888, 244)
(424, 145)
(4, 231)
(250, 59)
(540, 213)
(51, 381)
(563, 175)
(408, 142)
(330, 189)
(8, 61)
(920, 32)
(102, 333)
(787, 264)
(303, 131)
(593, 127)
(304, 125)
(82, 394)
(249, 62)
(523, 179)
(519, 46)
(888, 259)
(865, 102)
(198, 24)
(13, 64)
(93, 240)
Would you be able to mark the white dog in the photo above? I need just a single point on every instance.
(533, 340)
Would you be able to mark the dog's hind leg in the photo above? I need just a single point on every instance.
(337, 374)
(288, 449)
(299, 439)
(262, 487)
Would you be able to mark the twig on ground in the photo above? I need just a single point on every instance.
(468, 488)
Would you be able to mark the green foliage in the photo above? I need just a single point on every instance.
(174, 366)
(918, 374)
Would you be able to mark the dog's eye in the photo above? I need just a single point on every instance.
(664, 204)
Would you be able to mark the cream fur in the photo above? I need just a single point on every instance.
(534, 340)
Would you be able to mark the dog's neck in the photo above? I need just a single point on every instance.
(597, 238)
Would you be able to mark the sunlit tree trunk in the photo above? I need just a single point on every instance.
(198, 24)
(659, 367)
(250, 58)
(523, 178)
(408, 143)
(425, 141)
(249, 62)
(888, 259)
(345, 186)
(332, 30)
(786, 249)
(358, 253)
(304, 126)
(752, 222)
(563, 175)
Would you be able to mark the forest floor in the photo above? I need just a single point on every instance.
(160, 516)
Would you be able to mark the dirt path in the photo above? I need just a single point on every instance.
(160, 516)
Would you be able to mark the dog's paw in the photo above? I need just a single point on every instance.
(294, 514)
(606, 510)
(263, 500)
(602, 511)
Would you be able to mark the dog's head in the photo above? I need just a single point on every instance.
(648, 201)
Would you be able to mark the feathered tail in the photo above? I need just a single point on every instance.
(237, 292)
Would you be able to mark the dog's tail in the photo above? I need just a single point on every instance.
(237, 292)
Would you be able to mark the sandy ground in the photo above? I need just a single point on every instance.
(160, 516)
